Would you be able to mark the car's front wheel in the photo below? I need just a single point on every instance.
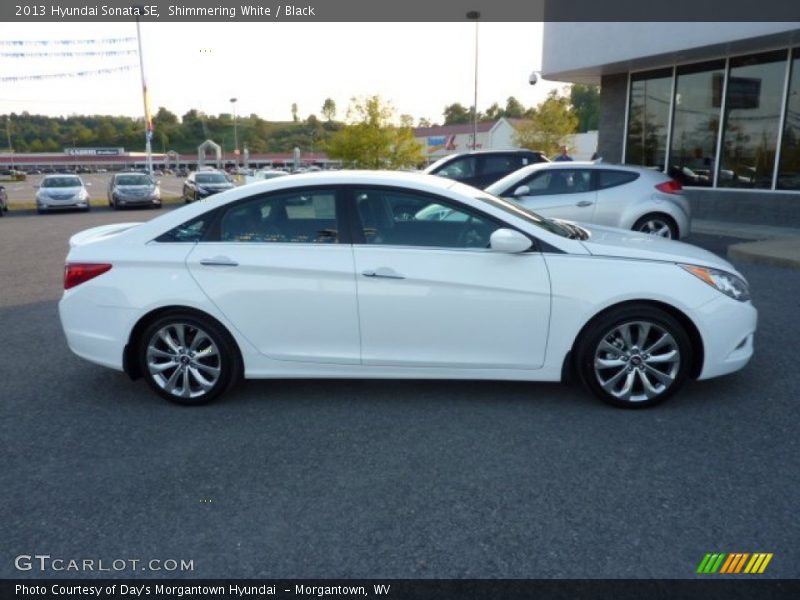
(634, 356)
(657, 224)
(187, 359)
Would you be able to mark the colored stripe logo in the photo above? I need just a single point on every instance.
(734, 562)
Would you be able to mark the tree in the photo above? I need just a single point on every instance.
(514, 109)
(423, 122)
(552, 121)
(494, 112)
(329, 109)
(371, 141)
(456, 113)
(294, 112)
(585, 100)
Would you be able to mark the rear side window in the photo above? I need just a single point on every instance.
(458, 169)
(501, 165)
(302, 217)
(191, 231)
(609, 179)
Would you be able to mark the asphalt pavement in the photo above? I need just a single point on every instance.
(385, 479)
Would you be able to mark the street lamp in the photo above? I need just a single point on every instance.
(474, 15)
(235, 135)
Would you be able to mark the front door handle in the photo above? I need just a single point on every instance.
(383, 272)
(583, 203)
(219, 261)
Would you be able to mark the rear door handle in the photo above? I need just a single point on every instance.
(383, 272)
(584, 203)
(219, 261)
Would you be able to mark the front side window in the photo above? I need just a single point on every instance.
(300, 217)
(398, 218)
(559, 181)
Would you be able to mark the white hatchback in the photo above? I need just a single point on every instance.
(337, 275)
(594, 192)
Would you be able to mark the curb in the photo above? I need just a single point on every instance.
(776, 253)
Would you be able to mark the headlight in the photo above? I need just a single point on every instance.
(727, 283)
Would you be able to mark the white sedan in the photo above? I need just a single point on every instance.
(332, 275)
(594, 192)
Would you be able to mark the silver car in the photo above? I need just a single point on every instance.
(62, 191)
(614, 195)
(133, 189)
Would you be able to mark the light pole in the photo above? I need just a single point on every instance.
(235, 135)
(474, 15)
(148, 119)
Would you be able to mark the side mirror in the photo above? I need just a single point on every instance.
(522, 190)
(509, 241)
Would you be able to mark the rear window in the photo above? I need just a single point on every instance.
(608, 179)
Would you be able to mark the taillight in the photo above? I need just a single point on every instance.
(78, 273)
(670, 187)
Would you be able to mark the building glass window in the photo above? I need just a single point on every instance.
(695, 123)
(648, 118)
(789, 167)
(752, 120)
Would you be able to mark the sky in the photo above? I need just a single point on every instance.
(418, 67)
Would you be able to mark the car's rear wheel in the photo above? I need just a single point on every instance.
(187, 359)
(635, 356)
(657, 224)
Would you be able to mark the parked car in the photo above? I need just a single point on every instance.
(58, 192)
(3, 201)
(263, 174)
(615, 195)
(205, 183)
(133, 189)
(315, 276)
(481, 168)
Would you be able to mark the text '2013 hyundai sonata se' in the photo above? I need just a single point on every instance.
(357, 275)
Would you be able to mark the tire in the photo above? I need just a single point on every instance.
(657, 224)
(627, 370)
(194, 379)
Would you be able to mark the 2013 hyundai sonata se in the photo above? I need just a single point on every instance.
(346, 275)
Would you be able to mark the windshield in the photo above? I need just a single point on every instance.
(134, 180)
(211, 178)
(61, 182)
(528, 215)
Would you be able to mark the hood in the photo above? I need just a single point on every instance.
(102, 232)
(623, 243)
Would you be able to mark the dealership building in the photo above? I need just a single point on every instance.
(715, 105)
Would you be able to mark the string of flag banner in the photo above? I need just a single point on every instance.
(67, 54)
(123, 40)
(65, 75)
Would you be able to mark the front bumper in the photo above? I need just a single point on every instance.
(727, 328)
